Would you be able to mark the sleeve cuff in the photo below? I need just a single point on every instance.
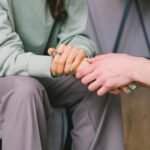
(39, 66)
(87, 51)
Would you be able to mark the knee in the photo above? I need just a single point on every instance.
(28, 88)
(27, 84)
(25, 95)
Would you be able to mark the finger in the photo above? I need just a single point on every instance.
(54, 66)
(62, 60)
(72, 56)
(133, 86)
(115, 91)
(79, 57)
(84, 63)
(85, 71)
(76, 62)
(67, 52)
(103, 90)
(126, 90)
(69, 68)
(95, 85)
(89, 78)
(107, 86)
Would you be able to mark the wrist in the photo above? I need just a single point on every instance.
(138, 69)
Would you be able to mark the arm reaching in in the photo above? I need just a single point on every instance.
(111, 71)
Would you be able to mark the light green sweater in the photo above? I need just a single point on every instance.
(27, 29)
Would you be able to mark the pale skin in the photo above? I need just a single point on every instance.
(75, 59)
(70, 58)
(110, 71)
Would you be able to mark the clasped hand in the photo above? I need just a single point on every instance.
(103, 74)
(112, 73)
(67, 60)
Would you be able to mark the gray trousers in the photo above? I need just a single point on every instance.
(24, 110)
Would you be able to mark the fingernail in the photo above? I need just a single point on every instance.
(128, 91)
(71, 70)
(133, 86)
(54, 75)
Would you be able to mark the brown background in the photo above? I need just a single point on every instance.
(136, 117)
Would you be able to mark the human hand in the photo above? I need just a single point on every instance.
(84, 64)
(117, 91)
(108, 72)
(122, 90)
(125, 89)
(68, 61)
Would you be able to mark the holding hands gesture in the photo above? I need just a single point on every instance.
(112, 73)
(66, 60)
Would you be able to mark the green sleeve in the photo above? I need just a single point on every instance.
(73, 31)
(13, 59)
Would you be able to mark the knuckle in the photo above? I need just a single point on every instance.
(79, 58)
(68, 61)
(108, 85)
(55, 61)
(75, 50)
(61, 62)
(103, 80)
(82, 53)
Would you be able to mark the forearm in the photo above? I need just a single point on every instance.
(13, 58)
(141, 71)
(74, 31)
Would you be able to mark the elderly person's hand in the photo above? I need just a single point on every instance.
(66, 60)
(108, 72)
